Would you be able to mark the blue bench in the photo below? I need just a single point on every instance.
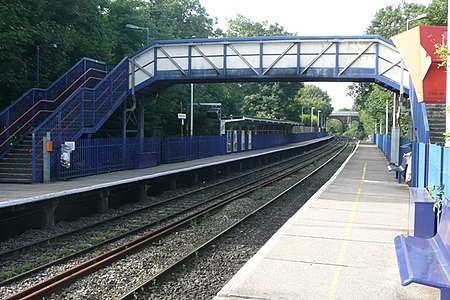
(401, 169)
(427, 261)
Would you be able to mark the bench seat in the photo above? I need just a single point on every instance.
(427, 260)
(422, 261)
(400, 170)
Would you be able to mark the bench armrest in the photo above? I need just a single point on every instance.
(395, 168)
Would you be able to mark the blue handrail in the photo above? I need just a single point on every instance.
(83, 112)
(33, 106)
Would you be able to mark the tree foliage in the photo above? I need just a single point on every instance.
(84, 28)
(242, 26)
(96, 29)
(370, 99)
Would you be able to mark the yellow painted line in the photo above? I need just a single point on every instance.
(347, 234)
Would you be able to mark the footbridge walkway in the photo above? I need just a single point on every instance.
(84, 98)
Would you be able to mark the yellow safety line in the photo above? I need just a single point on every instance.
(347, 235)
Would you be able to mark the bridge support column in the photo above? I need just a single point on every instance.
(195, 178)
(140, 108)
(227, 169)
(143, 192)
(48, 218)
(46, 157)
(104, 201)
(173, 182)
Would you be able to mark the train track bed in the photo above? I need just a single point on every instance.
(116, 279)
(45, 248)
(202, 275)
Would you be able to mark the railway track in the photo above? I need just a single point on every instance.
(139, 290)
(95, 263)
(72, 244)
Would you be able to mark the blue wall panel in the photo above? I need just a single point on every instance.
(446, 172)
(423, 165)
(434, 165)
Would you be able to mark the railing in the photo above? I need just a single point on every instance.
(420, 118)
(70, 120)
(263, 141)
(35, 105)
(95, 156)
(178, 149)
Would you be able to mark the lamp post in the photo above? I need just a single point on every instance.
(312, 111)
(302, 116)
(38, 58)
(419, 17)
(191, 128)
(134, 27)
(318, 120)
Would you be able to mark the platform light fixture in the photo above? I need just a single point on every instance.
(134, 27)
(419, 17)
(38, 58)
(312, 112)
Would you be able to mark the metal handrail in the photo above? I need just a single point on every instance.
(43, 110)
(6, 110)
(56, 114)
(21, 108)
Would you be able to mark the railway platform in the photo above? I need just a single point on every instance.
(19, 194)
(339, 245)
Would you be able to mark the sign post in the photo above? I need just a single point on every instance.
(182, 117)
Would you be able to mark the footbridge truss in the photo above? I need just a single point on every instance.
(86, 96)
(341, 58)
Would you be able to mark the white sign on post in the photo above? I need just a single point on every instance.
(182, 116)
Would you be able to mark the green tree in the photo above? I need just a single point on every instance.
(242, 26)
(78, 28)
(308, 97)
(391, 20)
(267, 103)
(437, 13)
(369, 98)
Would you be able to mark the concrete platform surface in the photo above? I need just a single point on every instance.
(339, 245)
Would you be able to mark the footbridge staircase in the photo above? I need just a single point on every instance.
(83, 99)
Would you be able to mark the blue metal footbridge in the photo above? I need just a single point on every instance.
(86, 96)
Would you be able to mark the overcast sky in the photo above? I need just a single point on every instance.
(306, 18)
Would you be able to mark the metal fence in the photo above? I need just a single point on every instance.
(95, 156)
(178, 149)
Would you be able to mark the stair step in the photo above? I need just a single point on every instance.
(16, 175)
(24, 151)
(19, 169)
(8, 165)
(16, 180)
(16, 160)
